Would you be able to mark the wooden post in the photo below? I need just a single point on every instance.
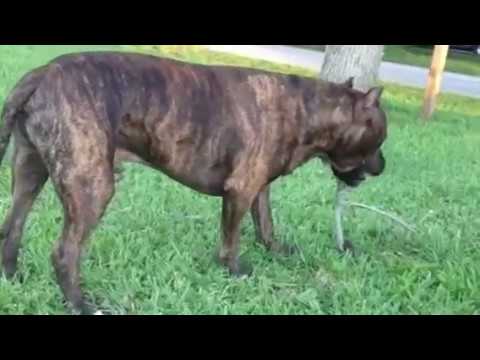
(434, 82)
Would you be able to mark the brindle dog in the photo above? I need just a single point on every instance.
(222, 131)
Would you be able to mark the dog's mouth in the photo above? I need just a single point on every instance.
(342, 169)
(352, 178)
(355, 182)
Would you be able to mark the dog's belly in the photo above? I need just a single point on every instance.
(198, 153)
(198, 173)
(204, 177)
(211, 182)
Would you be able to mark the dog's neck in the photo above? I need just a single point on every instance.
(314, 119)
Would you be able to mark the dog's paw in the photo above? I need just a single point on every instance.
(86, 307)
(240, 269)
(12, 275)
(348, 248)
(284, 249)
(89, 310)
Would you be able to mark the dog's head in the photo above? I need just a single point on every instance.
(358, 132)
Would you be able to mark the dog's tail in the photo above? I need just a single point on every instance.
(14, 105)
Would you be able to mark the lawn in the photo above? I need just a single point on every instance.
(458, 62)
(152, 253)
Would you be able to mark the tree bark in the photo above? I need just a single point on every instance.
(362, 62)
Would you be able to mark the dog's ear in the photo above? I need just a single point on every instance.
(372, 97)
(349, 83)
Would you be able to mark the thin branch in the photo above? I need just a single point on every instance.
(392, 217)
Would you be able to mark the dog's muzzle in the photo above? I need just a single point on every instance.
(374, 166)
(352, 178)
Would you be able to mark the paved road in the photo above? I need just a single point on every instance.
(389, 72)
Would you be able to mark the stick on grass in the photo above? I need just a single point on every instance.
(381, 212)
(342, 203)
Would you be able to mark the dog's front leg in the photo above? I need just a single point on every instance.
(262, 219)
(235, 206)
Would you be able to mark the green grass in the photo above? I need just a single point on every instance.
(457, 62)
(152, 253)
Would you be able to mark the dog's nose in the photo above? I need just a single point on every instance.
(376, 167)
(381, 167)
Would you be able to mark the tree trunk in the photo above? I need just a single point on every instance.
(362, 62)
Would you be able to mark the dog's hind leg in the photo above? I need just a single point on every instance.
(28, 178)
(79, 156)
(85, 192)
